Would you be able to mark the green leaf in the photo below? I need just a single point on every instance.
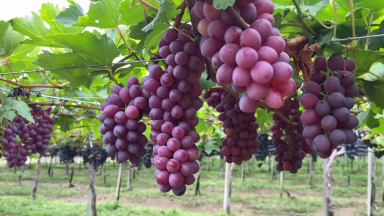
(325, 36)
(377, 69)
(264, 117)
(70, 15)
(362, 117)
(10, 105)
(132, 11)
(378, 42)
(9, 39)
(375, 92)
(206, 84)
(375, 6)
(99, 50)
(344, 30)
(222, 4)
(167, 11)
(312, 6)
(371, 121)
(364, 60)
(22, 53)
(326, 13)
(77, 77)
(137, 33)
(154, 37)
(8, 114)
(102, 14)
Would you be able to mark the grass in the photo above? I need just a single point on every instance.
(258, 194)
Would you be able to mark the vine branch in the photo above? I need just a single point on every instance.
(300, 16)
(334, 17)
(179, 16)
(239, 22)
(318, 21)
(354, 43)
(34, 85)
(10, 69)
(64, 105)
(148, 5)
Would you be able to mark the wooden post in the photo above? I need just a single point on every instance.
(310, 170)
(382, 176)
(243, 171)
(119, 182)
(273, 170)
(105, 175)
(226, 188)
(209, 164)
(342, 164)
(269, 163)
(249, 167)
(369, 182)
(328, 182)
(129, 178)
(21, 174)
(91, 208)
(197, 188)
(281, 183)
(70, 179)
(36, 179)
(324, 187)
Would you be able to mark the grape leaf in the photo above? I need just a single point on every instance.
(48, 12)
(34, 28)
(70, 15)
(371, 121)
(154, 37)
(99, 50)
(9, 105)
(377, 69)
(132, 11)
(375, 43)
(102, 14)
(326, 13)
(376, 6)
(264, 117)
(137, 33)
(167, 11)
(362, 117)
(375, 92)
(205, 84)
(364, 60)
(77, 76)
(223, 4)
(312, 6)
(9, 39)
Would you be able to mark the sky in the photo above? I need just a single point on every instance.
(20, 8)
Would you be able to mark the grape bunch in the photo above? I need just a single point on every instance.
(288, 140)
(147, 158)
(213, 96)
(174, 101)
(379, 151)
(67, 154)
(263, 150)
(121, 125)
(213, 153)
(20, 136)
(241, 129)
(327, 100)
(252, 60)
(93, 155)
(53, 150)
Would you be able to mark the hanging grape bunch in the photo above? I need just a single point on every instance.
(20, 136)
(93, 155)
(67, 154)
(174, 101)
(327, 100)
(147, 158)
(252, 60)
(121, 121)
(288, 140)
(263, 150)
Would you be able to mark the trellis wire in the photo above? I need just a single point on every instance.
(356, 38)
(96, 103)
(83, 66)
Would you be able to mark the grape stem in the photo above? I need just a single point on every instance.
(354, 43)
(237, 18)
(334, 17)
(10, 69)
(369, 29)
(64, 105)
(318, 21)
(129, 47)
(263, 105)
(300, 16)
(148, 5)
(179, 16)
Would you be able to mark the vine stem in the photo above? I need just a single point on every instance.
(300, 16)
(265, 106)
(150, 6)
(334, 17)
(34, 85)
(129, 47)
(318, 21)
(369, 29)
(45, 75)
(64, 105)
(10, 69)
(354, 43)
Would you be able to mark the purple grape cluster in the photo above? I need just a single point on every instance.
(174, 102)
(253, 60)
(121, 121)
(241, 128)
(288, 140)
(20, 136)
(327, 101)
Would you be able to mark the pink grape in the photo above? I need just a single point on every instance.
(273, 98)
(232, 35)
(264, 6)
(203, 27)
(263, 27)
(276, 42)
(271, 19)
(241, 77)
(228, 54)
(224, 74)
(250, 38)
(257, 91)
(267, 54)
(217, 29)
(211, 13)
(246, 57)
(282, 71)
(262, 72)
